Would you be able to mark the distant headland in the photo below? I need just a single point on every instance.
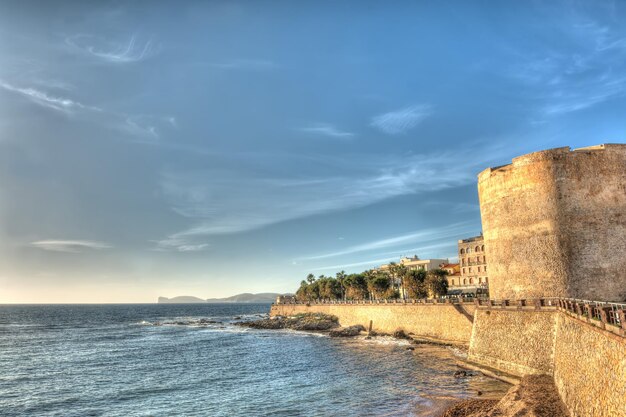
(264, 297)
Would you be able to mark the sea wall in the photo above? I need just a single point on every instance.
(588, 362)
(589, 368)
(515, 341)
(448, 322)
(586, 357)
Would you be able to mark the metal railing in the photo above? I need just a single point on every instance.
(455, 300)
(536, 303)
(600, 311)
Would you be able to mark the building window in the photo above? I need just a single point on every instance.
(480, 280)
(470, 269)
(464, 281)
(452, 282)
(471, 280)
(477, 249)
(462, 251)
(486, 280)
(485, 268)
(482, 248)
(479, 269)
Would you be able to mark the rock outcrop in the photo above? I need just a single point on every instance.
(306, 321)
(350, 331)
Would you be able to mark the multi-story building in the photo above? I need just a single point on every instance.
(454, 274)
(473, 262)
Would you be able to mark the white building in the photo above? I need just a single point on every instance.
(415, 263)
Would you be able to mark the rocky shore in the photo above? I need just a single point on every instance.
(305, 322)
(534, 396)
(316, 322)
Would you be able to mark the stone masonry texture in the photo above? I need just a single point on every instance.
(445, 322)
(554, 224)
(518, 342)
(590, 369)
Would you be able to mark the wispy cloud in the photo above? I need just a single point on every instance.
(422, 236)
(44, 99)
(145, 126)
(370, 263)
(129, 51)
(246, 64)
(70, 246)
(175, 244)
(225, 201)
(141, 125)
(385, 257)
(325, 129)
(585, 71)
(400, 121)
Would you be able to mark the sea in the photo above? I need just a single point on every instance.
(191, 360)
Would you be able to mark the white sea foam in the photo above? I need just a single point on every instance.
(384, 340)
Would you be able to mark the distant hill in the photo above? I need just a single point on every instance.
(183, 299)
(264, 297)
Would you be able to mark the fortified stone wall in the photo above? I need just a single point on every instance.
(441, 321)
(517, 342)
(589, 369)
(552, 222)
(588, 363)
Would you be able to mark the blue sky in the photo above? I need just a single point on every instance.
(210, 148)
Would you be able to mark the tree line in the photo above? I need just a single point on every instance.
(397, 281)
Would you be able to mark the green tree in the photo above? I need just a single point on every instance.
(313, 290)
(356, 287)
(436, 282)
(378, 285)
(310, 278)
(302, 293)
(329, 288)
(414, 282)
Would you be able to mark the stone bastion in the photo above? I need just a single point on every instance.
(554, 224)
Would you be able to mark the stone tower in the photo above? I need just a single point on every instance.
(554, 224)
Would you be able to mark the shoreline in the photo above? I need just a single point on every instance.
(329, 326)
(530, 396)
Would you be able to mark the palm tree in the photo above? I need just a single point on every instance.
(397, 273)
(341, 278)
(402, 272)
